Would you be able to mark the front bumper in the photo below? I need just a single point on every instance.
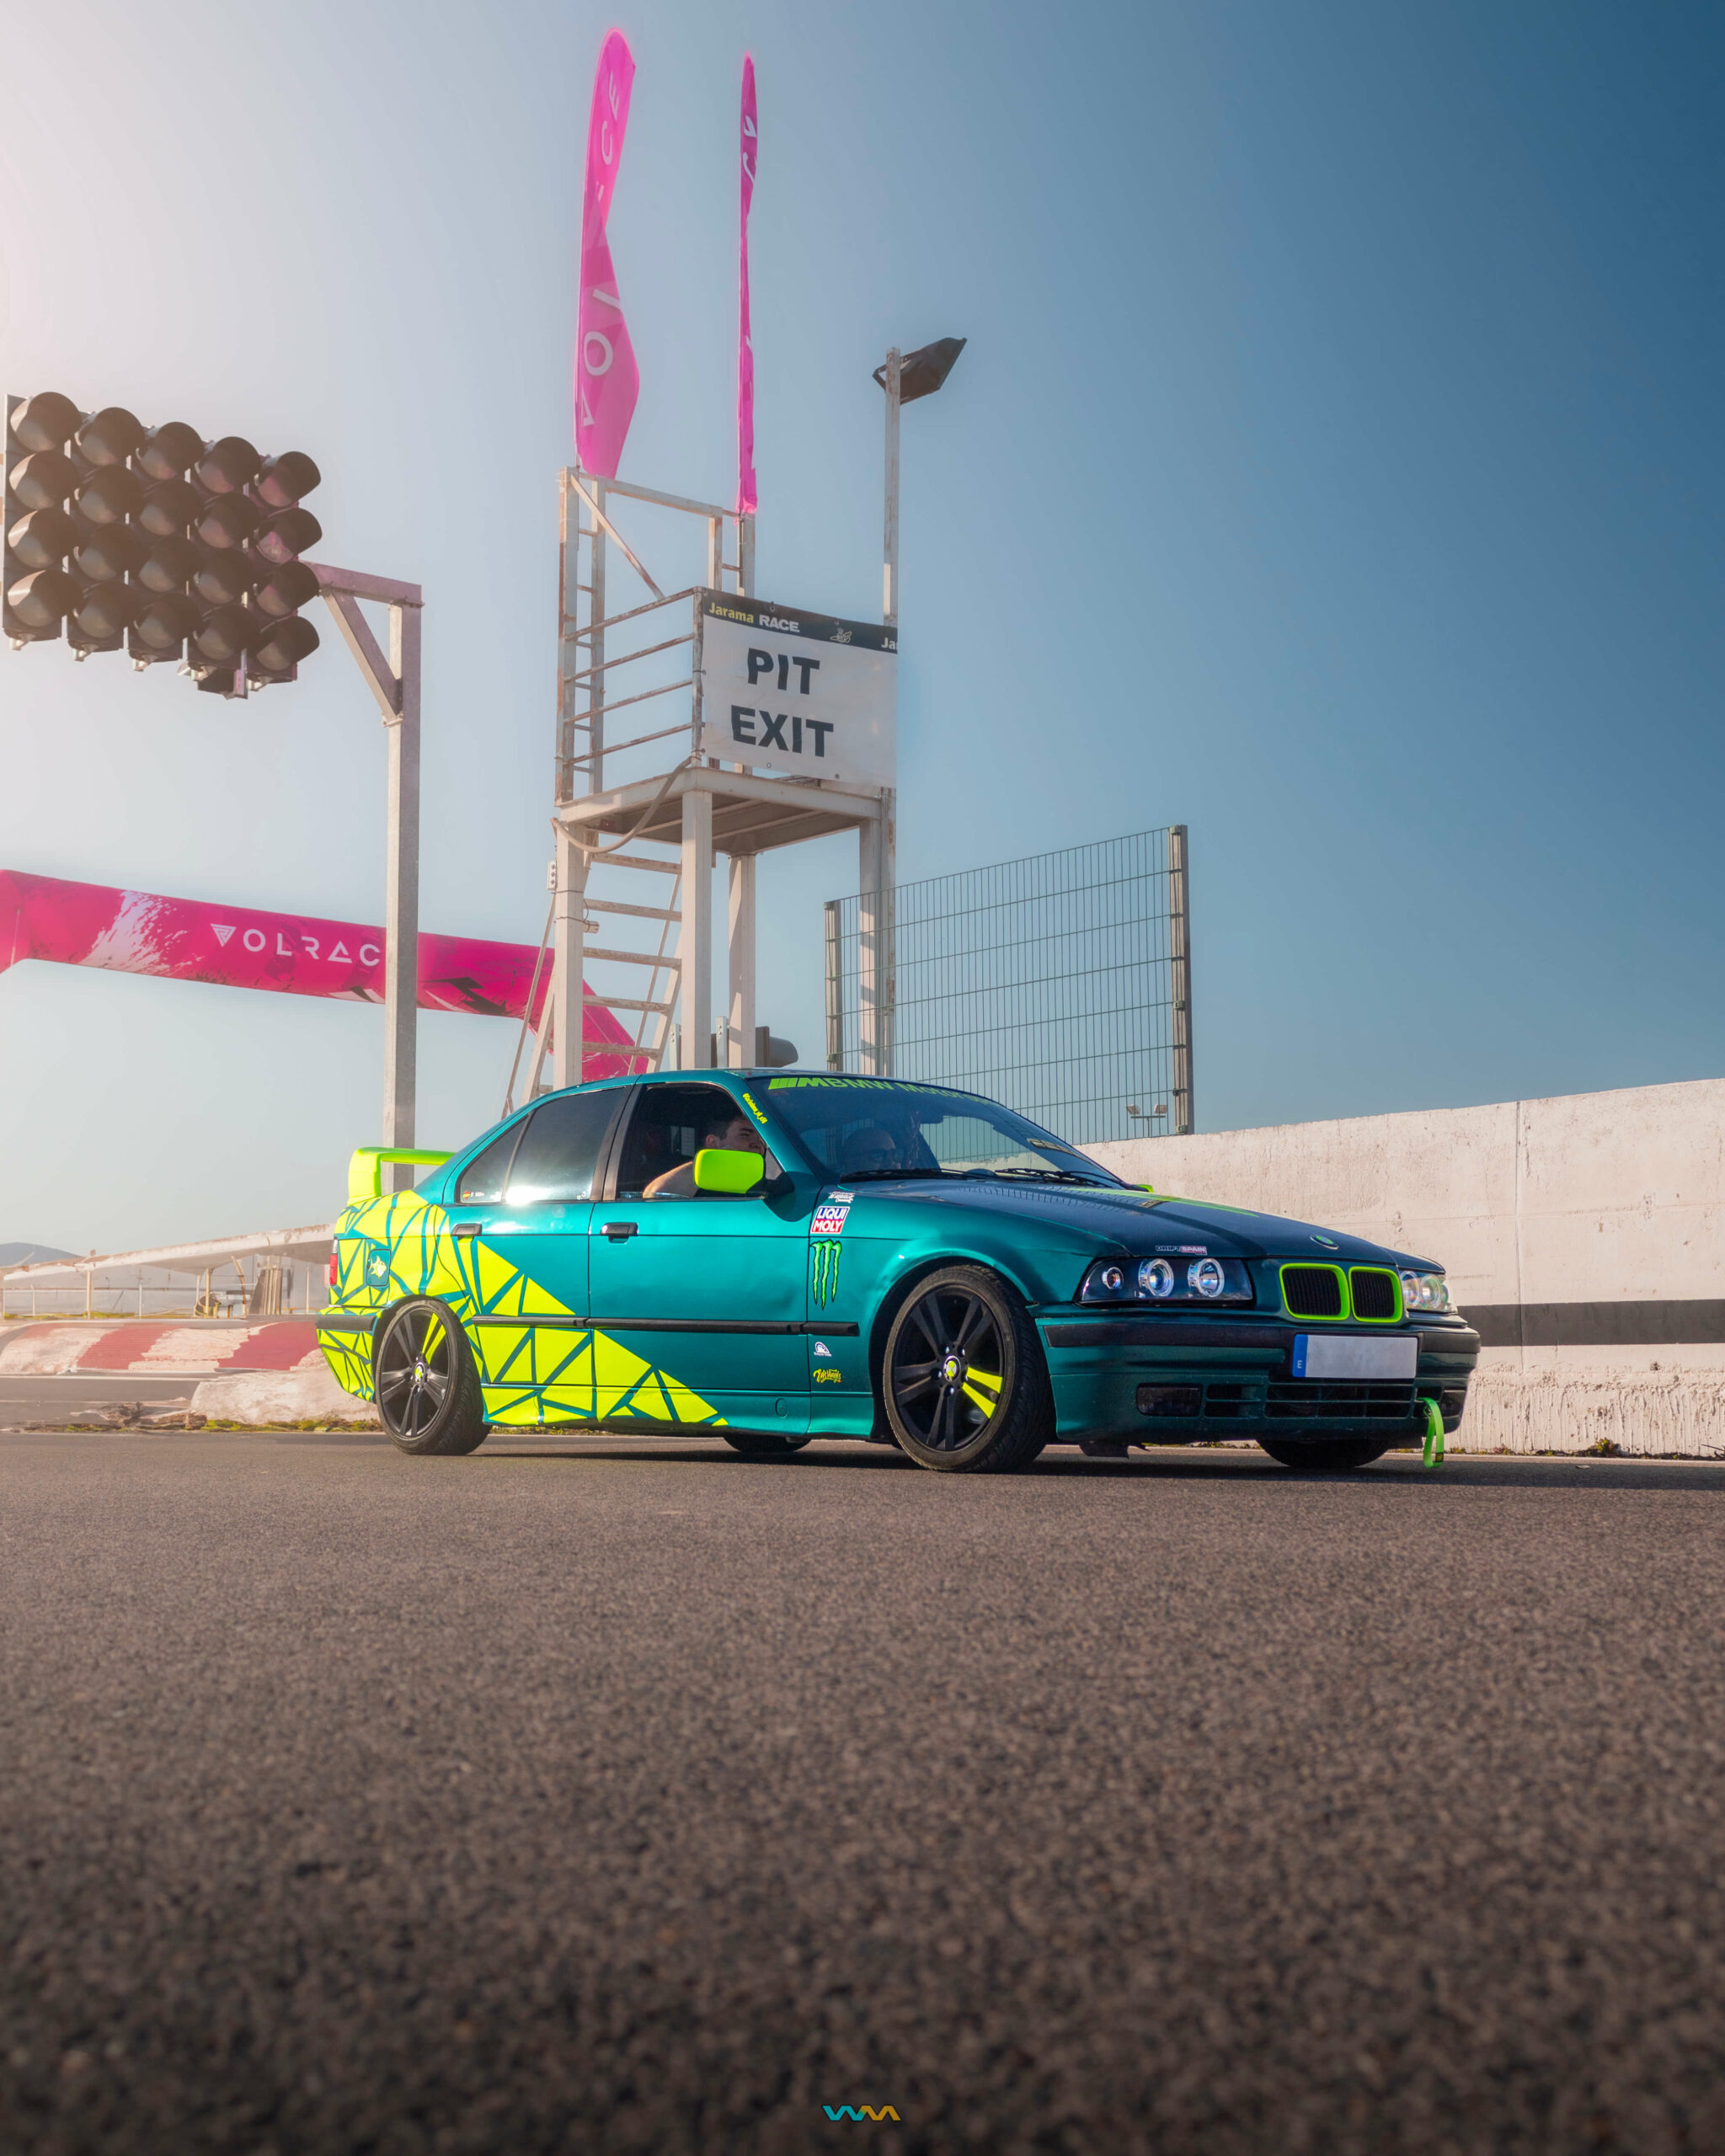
(1169, 1379)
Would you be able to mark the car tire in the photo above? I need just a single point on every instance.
(765, 1444)
(1321, 1453)
(425, 1381)
(962, 1378)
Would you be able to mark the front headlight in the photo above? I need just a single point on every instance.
(1426, 1291)
(1155, 1279)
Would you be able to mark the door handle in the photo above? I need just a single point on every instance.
(620, 1230)
(468, 1228)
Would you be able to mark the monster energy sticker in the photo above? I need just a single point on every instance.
(823, 1270)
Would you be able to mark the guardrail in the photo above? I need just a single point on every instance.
(201, 1263)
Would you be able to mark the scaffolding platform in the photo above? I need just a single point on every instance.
(750, 815)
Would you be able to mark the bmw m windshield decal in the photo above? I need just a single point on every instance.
(880, 1085)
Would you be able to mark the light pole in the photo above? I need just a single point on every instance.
(904, 376)
(393, 680)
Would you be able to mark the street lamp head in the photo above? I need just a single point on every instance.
(921, 373)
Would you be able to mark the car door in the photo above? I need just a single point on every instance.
(704, 1295)
(520, 1218)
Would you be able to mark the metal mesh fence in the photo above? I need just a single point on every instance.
(1059, 985)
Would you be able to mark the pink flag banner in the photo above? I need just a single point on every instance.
(748, 143)
(608, 381)
(291, 954)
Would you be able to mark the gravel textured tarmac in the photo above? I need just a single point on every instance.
(640, 1797)
(35, 1400)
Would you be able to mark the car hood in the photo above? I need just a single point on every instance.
(1137, 1223)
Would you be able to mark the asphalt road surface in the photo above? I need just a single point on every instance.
(641, 1797)
(80, 1396)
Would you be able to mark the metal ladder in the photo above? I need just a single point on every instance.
(653, 1009)
(586, 534)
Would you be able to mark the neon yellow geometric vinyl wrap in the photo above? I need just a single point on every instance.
(397, 1245)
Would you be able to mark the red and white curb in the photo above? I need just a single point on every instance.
(158, 1348)
(268, 1371)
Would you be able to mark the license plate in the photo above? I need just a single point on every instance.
(1349, 1355)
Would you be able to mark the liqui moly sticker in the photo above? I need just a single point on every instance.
(829, 1221)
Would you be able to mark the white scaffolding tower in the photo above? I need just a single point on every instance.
(652, 832)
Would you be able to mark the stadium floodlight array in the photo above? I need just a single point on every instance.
(153, 541)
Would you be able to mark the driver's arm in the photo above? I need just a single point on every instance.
(675, 1182)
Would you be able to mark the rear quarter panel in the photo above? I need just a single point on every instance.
(385, 1248)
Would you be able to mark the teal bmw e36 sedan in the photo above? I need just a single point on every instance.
(779, 1256)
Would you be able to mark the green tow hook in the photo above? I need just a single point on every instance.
(1433, 1454)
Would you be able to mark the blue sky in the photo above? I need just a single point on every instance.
(1334, 468)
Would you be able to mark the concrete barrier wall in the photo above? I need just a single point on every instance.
(1584, 1236)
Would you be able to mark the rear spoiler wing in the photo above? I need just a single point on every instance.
(365, 1171)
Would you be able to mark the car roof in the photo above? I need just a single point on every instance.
(755, 1072)
(762, 1071)
(772, 1071)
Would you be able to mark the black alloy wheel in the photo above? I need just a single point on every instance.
(425, 1381)
(963, 1378)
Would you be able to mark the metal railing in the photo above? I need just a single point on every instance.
(584, 746)
(276, 1275)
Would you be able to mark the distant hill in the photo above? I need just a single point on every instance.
(30, 1253)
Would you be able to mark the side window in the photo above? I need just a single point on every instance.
(483, 1177)
(670, 1126)
(560, 1148)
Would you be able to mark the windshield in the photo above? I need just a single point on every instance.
(855, 1128)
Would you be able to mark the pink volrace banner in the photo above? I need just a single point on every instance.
(292, 954)
(606, 378)
(749, 143)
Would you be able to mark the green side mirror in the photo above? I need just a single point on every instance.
(717, 1168)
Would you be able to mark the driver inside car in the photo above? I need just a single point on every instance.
(894, 1141)
(739, 1135)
